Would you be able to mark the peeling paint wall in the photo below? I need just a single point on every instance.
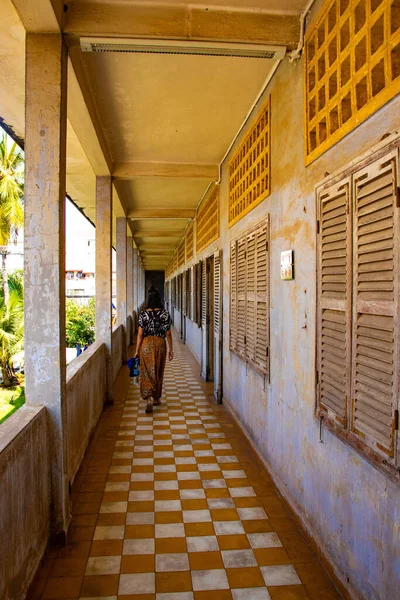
(350, 508)
(24, 499)
(86, 395)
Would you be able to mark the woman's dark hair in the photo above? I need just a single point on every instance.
(153, 299)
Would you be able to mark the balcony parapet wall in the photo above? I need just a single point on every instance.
(24, 498)
(86, 395)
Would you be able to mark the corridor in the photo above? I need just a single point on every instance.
(175, 506)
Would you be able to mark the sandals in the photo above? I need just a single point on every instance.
(157, 402)
(149, 408)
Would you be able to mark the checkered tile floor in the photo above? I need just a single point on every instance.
(174, 506)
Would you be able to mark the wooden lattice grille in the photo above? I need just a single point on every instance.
(207, 220)
(351, 68)
(249, 168)
(249, 294)
(358, 314)
(181, 253)
(189, 242)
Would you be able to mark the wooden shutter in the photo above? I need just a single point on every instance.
(204, 293)
(241, 297)
(376, 305)
(334, 300)
(262, 298)
(188, 293)
(192, 292)
(233, 298)
(198, 293)
(217, 293)
(251, 296)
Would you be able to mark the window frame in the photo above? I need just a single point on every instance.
(383, 152)
(240, 241)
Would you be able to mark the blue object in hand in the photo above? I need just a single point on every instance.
(133, 364)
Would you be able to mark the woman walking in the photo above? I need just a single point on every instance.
(154, 327)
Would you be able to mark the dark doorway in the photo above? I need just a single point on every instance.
(156, 278)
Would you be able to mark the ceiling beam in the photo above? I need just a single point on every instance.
(125, 19)
(155, 252)
(135, 170)
(159, 234)
(162, 213)
(82, 124)
(40, 16)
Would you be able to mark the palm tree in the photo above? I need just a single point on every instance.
(11, 195)
(11, 326)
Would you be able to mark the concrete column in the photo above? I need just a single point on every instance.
(121, 270)
(129, 276)
(129, 284)
(104, 269)
(44, 238)
(135, 280)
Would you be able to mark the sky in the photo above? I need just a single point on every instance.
(78, 231)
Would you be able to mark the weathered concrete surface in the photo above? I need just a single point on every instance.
(135, 281)
(350, 508)
(44, 229)
(24, 498)
(87, 391)
(194, 339)
(121, 270)
(129, 284)
(129, 330)
(119, 349)
(104, 270)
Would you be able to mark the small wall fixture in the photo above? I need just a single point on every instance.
(194, 47)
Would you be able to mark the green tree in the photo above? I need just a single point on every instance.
(11, 196)
(11, 325)
(80, 322)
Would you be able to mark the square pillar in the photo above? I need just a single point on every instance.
(121, 271)
(129, 284)
(135, 280)
(104, 269)
(44, 239)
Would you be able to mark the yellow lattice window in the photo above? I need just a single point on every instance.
(207, 220)
(249, 169)
(170, 269)
(181, 253)
(189, 242)
(351, 68)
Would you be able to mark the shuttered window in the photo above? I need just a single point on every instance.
(187, 278)
(203, 293)
(334, 293)
(358, 313)
(199, 288)
(249, 297)
(217, 294)
(192, 293)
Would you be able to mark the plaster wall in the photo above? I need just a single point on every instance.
(86, 395)
(194, 339)
(24, 499)
(118, 349)
(348, 507)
